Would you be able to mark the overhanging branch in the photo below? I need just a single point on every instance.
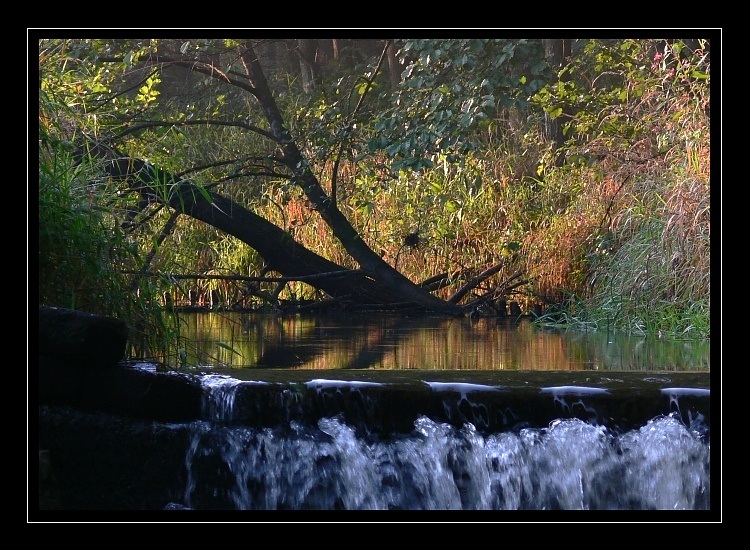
(299, 278)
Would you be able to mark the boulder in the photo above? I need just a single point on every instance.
(81, 364)
(86, 339)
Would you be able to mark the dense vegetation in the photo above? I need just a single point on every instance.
(582, 182)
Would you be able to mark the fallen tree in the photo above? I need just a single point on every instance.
(279, 251)
(375, 282)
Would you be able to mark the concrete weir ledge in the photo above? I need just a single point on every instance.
(81, 366)
(387, 401)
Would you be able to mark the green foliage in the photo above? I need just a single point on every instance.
(451, 170)
(450, 89)
(604, 87)
(81, 247)
(85, 258)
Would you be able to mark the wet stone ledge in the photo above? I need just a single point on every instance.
(620, 403)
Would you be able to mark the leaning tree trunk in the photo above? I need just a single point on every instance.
(368, 260)
(279, 251)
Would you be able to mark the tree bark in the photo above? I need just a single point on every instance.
(307, 50)
(277, 248)
(368, 260)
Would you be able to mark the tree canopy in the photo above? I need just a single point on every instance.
(373, 173)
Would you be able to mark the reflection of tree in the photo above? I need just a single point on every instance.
(383, 336)
(284, 351)
(388, 339)
(287, 355)
(356, 342)
(280, 351)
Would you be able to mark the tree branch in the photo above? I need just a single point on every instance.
(299, 278)
(473, 283)
(201, 122)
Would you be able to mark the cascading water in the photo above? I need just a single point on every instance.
(338, 462)
(443, 423)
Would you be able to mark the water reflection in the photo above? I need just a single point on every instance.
(241, 340)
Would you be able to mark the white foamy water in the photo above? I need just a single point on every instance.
(218, 397)
(568, 465)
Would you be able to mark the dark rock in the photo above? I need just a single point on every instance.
(124, 390)
(76, 337)
(108, 462)
(80, 365)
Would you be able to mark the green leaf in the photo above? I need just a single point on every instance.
(228, 348)
(206, 195)
(366, 208)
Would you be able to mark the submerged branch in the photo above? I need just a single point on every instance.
(440, 281)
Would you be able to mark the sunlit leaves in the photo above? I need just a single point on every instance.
(608, 80)
(363, 87)
(149, 92)
(364, 207)
(449, 89)
(699, 75)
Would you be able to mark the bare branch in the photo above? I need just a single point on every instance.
(202, 122)
(299, 278)
(208, 69)
(348, 130)
(473, 283)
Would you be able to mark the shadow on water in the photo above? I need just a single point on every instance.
(345, 341)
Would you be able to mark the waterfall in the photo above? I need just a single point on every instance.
(404, 441)
(328, 464)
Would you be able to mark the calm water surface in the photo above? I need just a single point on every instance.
(377, 341)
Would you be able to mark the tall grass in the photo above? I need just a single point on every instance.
(614, 241)
(617, 238)
(85, 258)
